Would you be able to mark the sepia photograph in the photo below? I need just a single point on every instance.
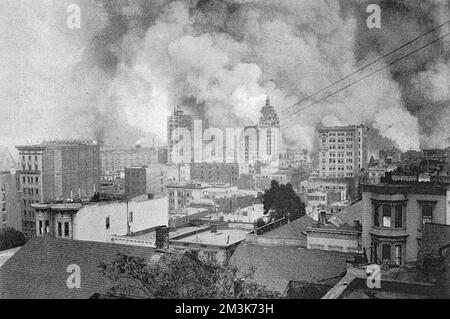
(224, 156)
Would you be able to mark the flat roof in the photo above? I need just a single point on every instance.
(223, 237)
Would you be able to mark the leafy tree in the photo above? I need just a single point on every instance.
(11, 238)
(177, 276)
(281, 201)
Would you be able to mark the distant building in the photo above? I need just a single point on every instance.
(291, 158)
(56, 170)
(179, 120)
(343, 151)
(269, 135)
(390, 156)
(394, 215)
(263, 181)
(100, 221)
(215, 172)
(10, 209)
(153, 179)
(116, 160)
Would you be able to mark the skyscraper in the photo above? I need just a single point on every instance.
(175, 122)
(269, 134)
(343, 151)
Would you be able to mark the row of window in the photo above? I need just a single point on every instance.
(30, 191)
(30, 180)
(392, 216)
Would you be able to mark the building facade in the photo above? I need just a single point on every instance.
(100, 221)
(56, 170)
(116, 160)
(10, 209)
(215, 172)
(343, 151)
(394, 215)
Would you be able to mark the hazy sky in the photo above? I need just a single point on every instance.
(118, 77)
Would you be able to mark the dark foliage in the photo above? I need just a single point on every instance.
(281, 201)
(11, 238)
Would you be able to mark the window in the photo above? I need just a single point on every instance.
(66, 229)
(398, 216)
(387, 216)
(47, 226)
(398, 254)
(131, 217)
(427, 214)
(376, 216)
(59, 229)
(107, 223)
(386, 252)
(40, 227)
(211, 256)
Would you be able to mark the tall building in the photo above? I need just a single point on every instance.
(343, 151)
(10, 214)
(175, 122)
(56, 170)
(215, 172)
(269, 134)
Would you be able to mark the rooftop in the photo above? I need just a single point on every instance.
(39, 269)
(223, 237)
(276, 267)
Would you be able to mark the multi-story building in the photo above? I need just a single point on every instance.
(263, 180)
(215, 172)
(135, 181)
(390, 156)
(154, 178)
(56, 170)
(176, 121)
(269, 135)
(291, 158)
(100, 221)
(394, 215)
(116, 160)
(10, 213)
(343, 151)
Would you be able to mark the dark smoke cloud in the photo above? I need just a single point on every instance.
(119, 77)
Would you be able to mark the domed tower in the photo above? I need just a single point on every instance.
(269, 134)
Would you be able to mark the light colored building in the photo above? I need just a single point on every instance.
(57, 170)
(10, 205)
(116, 160)
(394, 215)
(214, 244)
(100, 221)
(343, 151)
(179, 120)
(269, 135)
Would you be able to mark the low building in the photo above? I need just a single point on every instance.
(100, 221)
(215, 172)
(215, 244)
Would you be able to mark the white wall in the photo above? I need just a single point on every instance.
(90, 221)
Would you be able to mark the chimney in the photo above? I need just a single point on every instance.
(213, 227)
(162, 237)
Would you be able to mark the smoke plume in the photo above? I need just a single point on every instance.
(118, 77)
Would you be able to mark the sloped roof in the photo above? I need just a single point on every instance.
(6, 160)
(275, 267)
(39, 269)
(294, 229)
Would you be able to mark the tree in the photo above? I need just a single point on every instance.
(281, 201)
(11, 238)
(180, 276)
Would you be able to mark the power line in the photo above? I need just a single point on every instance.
(365, 77)
(365, 67)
